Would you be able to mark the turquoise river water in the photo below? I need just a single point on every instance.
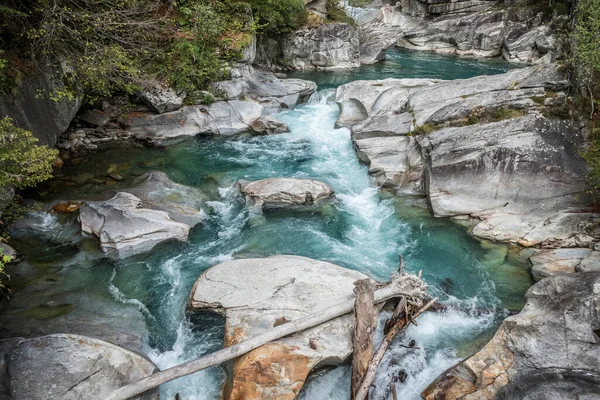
(365, 231)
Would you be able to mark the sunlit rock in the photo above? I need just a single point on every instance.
(327, 46)
(258, 294)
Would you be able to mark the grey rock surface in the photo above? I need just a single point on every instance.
(69, 367)
(286, 193)
(394, 162)
(161, 98)
(249, 83)
(125, 229)
(158, 192)
(220, 118)
(547, 351)
(327, 46)
(45, 118)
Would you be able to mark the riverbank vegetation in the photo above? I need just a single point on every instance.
(107, 46)
(586, 62)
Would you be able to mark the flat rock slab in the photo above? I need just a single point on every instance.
(562, 261)
(220, 118)
(286, 193)
(125, 229)
(548, 351)
(258, 294)
(68, 367)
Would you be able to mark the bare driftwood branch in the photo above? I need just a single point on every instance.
(365, 313)
(399, 325)
(394, 289)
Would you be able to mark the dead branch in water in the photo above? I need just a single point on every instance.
(392, 290)
(403, 320)
(365, 314)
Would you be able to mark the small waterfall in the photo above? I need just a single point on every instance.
(323, 96)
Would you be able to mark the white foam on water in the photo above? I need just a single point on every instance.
(203, 385)
(371, 237)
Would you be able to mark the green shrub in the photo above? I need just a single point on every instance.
(276, 17)
(108, 46)
(23, 163)
(335, 13)
(424, 129)
(359, 3)
(587, 48)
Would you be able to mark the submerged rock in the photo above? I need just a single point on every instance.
(285, 193)
(69, 367)
(125, 229)
(258, 294)
(547, 351)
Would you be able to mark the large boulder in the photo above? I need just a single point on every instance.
(258, 294)
(33, 109)
(547, 351)
(69, 367)
(327, 46)
(516, 176)
(521, 178)
(125, 229)
(220, 118)
(161, 98)
(286, 193)
(380, 29)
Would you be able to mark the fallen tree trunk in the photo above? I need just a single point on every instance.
(392, 290)
(364, 316)
(399, 325)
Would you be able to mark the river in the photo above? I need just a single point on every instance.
(479, 281)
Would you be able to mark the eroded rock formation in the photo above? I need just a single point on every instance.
(547, 351)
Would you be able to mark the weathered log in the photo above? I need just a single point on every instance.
(393, 390)
(364, 313)
(392, 290)
(400, 325)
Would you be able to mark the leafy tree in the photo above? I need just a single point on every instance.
(23, 163)
(587, 47)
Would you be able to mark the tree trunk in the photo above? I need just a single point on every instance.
(394, 289)
(364, 313)
(400, 325)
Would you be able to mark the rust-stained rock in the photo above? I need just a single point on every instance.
(67, 207)
(256, 294)
(273, 371)
(548, 351)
